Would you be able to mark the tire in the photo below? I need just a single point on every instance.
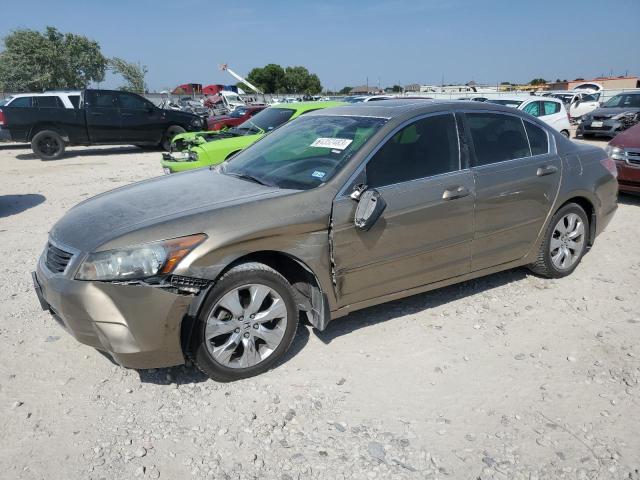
(171, 132)
(48, 145)
(220, 337)
(565, 133)
(552, 262)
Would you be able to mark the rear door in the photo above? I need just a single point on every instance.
(425, 233)
(517, 176)
(141, 121)
(103, 116)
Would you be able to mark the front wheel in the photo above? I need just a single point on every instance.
(167, 138)
(246, 325)
(564, 244)
(565, 133)
(48, 145)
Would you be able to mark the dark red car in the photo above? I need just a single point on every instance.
(625, 150)
(233, 119)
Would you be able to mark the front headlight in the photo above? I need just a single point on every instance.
(141, 261)
(615, 153)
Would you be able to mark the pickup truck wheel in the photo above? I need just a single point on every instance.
(171, 132)
(48, 145)
(246, 325)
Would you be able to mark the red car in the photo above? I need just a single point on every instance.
(625, 150)
(235, 118)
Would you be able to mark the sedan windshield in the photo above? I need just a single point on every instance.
(304, 153)
(267, 120)
(508, 103)
(623, 100)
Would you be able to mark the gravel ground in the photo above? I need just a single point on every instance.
(508, 377)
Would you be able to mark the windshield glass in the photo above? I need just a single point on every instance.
(267, 120)
(508, 103)
(623, 100)
(304, 153)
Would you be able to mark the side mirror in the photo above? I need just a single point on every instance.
(370, 207)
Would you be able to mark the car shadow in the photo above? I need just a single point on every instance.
(89, 152)
(416, 304)
(189, 374)
(629, 199)
(14, 204)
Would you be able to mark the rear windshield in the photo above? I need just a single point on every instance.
(304, 153)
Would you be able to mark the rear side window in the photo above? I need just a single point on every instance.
(551, 107)
(497, 137)
(533, 108)
(49, 102)
(425, 148)
(104, 100)
(75, 100)
(21, 102)
(537, 139)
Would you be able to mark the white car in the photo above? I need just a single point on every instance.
(66, 99)
(578, 103)
(548, 109)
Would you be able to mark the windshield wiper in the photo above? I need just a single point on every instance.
(246, 176)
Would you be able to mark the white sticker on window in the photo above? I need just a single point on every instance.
(318, 174)
(335, 143)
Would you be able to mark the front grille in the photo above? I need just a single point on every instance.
(180, 281)
(601, 117)
(633, 157)
(57, 259)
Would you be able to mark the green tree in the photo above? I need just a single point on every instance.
(269, 78)
(51, 60)
(133, 74)
(299, 80)
(396, 89)
(538, 81)
(345, 90)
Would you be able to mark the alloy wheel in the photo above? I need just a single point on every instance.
(245, 326)
(567, 241)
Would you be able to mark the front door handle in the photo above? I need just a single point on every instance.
(546, 170)
(455, 192)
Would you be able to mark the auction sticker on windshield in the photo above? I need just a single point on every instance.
(334, 143)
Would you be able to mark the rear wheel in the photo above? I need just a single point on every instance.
(247, 323)
(565, 243)
(48, 145)
(565, 133)
(171, 132)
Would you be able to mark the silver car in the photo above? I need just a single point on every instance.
(340, 210)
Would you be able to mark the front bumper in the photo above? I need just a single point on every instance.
(139, 326)
(609, 128)
(171, 164)
(628, 177)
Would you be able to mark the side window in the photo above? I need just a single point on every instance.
(533, 108)
(104, 100)
(497, 137)
(551, 107)
(21, 102)
(128, 100)
(425, 148)
(75, 100)
(537, 139)
(49, 102)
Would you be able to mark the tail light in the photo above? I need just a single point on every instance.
(2, 119)
(610, 164)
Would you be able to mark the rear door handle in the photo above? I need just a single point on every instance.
(546, 170)
(455, 192)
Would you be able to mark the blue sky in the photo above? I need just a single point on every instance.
(344, 42)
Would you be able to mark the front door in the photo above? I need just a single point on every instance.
(425, 233)
(141, 120)
(517, 176)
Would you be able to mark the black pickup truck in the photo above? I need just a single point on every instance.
(104, 117)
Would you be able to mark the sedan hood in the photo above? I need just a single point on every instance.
(630, 138)
(159, 200)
